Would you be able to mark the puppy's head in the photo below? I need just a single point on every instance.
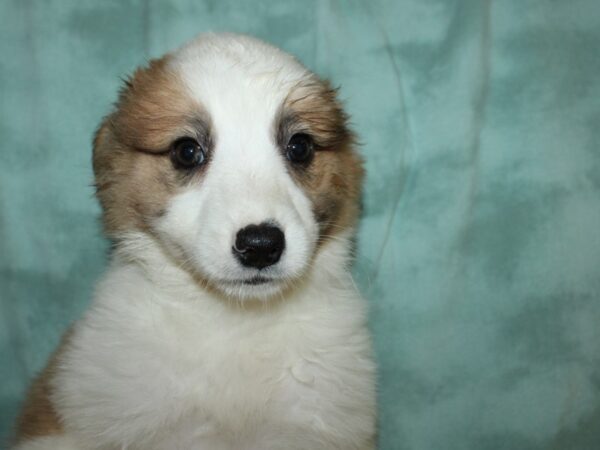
(234, 158)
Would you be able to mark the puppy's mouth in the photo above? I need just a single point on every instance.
(254, 281)
(256, 287)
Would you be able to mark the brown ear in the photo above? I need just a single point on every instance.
(104, 145)
(103, 138)
(110, 160)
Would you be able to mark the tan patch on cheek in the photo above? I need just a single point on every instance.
(133, 187)
(151, 186)
(333, 183)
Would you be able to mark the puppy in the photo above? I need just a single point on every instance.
(227, 318)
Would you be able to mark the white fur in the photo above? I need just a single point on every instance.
(159, 363)
(162, 362)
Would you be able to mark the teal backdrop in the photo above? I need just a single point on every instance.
(479, 250)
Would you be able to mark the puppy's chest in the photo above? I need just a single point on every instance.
(210, 379)
(254, 373)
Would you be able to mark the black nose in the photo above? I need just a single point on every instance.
(259, 245)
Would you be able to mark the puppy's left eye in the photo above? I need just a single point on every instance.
(186, 153)
(300, 148)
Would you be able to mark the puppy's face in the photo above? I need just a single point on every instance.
(234, 158)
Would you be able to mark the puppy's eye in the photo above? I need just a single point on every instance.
(300, 148)
(186, 153)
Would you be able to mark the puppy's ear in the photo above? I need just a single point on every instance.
(104, 144)
(109, 162)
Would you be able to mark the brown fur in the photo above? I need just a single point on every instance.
(333, 186)
(314, 102)
(333, 179)
(154, 109)
(38, 417)
(134, 177)
(122, 180)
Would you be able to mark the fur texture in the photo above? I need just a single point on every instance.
(180, 350)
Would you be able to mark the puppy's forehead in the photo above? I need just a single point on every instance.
(237, 76)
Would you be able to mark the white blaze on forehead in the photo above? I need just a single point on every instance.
(219, 53)
(223, 71)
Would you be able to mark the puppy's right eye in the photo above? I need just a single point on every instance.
(186, 153)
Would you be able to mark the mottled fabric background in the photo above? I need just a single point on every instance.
(479, 250)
